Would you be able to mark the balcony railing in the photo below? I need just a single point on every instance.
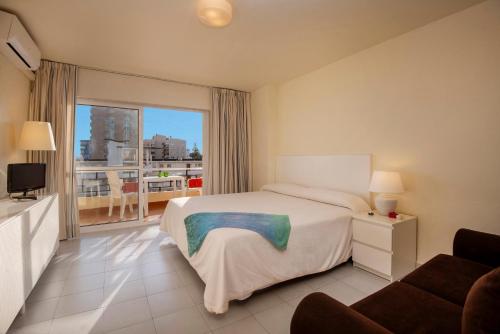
(95, 183)
(94, 191)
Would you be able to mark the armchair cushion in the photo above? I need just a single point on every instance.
(321, 314)
(478, 247)
(448, 277)
(481, 310)
(403, 308)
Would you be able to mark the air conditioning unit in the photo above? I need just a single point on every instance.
(17, 45)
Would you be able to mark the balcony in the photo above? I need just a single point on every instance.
(96, 187)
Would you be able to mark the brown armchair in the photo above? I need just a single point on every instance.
(448, 294)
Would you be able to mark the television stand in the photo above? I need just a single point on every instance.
(25, 196)
(29, 237)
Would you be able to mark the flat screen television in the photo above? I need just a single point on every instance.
(26, 177)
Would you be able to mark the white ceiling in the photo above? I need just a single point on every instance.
(268, 40)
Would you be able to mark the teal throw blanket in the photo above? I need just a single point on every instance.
(275, 228)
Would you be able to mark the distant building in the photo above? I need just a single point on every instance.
(85, 149)
(161, 147)
(114, 138)
(112, 125)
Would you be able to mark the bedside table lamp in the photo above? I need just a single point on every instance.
(386, 184)
(37, 136)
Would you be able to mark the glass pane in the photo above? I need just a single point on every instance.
(106, 136)
(173, 146)
(172, 135)
(107, 196)
(167, 181)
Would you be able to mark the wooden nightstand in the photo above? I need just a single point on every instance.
(384, 246)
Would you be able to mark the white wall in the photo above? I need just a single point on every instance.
(426, 103)
(142, 91)
(264, 134)
(14, 99)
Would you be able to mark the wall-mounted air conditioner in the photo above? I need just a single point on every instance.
(17, 45)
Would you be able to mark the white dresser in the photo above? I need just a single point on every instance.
(384, 246)
(29, 237)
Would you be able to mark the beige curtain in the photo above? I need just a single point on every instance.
(52, 99)
(229, 156)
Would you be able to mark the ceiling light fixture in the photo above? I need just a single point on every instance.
(215, 13)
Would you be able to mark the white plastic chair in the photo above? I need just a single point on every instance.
(116, 187)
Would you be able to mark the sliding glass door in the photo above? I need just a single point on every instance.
(130, 161)
(107, 162)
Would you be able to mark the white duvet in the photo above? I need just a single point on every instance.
(234, 263)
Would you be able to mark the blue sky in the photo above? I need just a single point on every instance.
(185, 125)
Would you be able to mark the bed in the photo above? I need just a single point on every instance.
(234, 263)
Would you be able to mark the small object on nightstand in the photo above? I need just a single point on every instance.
(384, 246)
(370, 213)
(392, 215)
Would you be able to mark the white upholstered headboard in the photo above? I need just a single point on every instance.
(349, 173)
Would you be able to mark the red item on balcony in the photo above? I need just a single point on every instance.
(195, 183)
(130, 187)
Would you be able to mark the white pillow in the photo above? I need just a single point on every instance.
(334, 197)
(286, 189)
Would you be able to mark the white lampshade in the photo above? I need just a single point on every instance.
(386, 182)
(37, 136)
(215, 13)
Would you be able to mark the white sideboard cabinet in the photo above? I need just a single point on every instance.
(29, 237)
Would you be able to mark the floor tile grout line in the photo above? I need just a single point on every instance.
(236, 321)
(104, 306)
(133, 324)
(39, 322)
(50, 327)
(356, 288)
(151, 314)
(41, 301)
(159, 316)
(261, 324)
(93, 309)
(69, 278)
(200, 313)
(351, 286)
(204, 317)
(107, 254)
(194, 306)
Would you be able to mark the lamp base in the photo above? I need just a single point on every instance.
(385, 203)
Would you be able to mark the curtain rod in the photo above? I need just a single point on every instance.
(97, 69)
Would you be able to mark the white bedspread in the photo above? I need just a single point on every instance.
(233, 263)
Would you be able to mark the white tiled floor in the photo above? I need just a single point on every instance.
(136, 281)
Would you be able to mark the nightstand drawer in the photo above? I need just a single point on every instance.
(372, 234)
(372, 258)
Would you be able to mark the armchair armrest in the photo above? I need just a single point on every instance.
(320, 314)
(477, 246)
